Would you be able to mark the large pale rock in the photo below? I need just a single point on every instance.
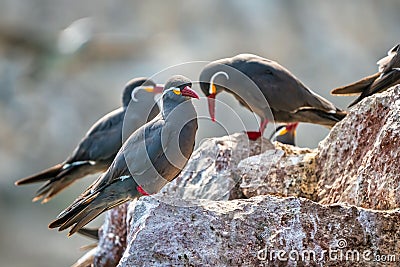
(251, 232)
(358, 163)
(112, 237)
(212, 171)
(284, 171)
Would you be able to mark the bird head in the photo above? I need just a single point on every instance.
(136, 84)
(178, 88)
(285, 133)
(212, 78)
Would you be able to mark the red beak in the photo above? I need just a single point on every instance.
(211, 106)
(187, 91)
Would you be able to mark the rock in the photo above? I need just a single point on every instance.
(358, 163)
(212, 171)
(249, 232)
(283, 171)
(340, 198)
(112, 237)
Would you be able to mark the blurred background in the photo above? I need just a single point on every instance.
(63, 65)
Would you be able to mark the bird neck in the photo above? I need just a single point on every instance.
(178, 109)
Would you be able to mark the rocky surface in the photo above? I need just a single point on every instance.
(212, 172)
(341, 198)
(284, 171)
(251, 232)
(112, 237)
(358, 163)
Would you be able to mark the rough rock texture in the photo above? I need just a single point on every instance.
(246, 232)
(284, 171)
(358, 163)
(112, 238)
(212, 171)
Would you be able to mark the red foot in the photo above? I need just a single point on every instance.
(141, 191)
(253, 135)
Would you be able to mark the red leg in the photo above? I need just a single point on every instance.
(263, 125)
(255, 135)
(141, 191)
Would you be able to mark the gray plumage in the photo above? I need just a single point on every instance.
(151, 157)
(261, 84)
(98, 147)
(387, 76)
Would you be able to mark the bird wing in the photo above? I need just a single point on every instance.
(136, 155)
(390, 79)
(356, 87)
(103, 139)
(133, 151)
(285, 92)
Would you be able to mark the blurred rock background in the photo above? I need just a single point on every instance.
(63, 64)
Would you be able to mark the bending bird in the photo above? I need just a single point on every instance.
(264, 87)
(387, 76)
(151, 157)
(98, 147)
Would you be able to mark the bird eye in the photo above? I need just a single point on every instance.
(177, 91)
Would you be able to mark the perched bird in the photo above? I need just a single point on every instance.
(264, 86)
(285, 134)
(151, 157)
(387, 76)
(98, 147)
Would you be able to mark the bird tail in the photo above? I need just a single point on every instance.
(356, 87)
(41, 176)
(92, 233)
(92, 203)
(379, 85)
(57, 178)
(321, 117)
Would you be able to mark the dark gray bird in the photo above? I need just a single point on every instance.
(285, 134)
(98, 147)
(264, 86)
(151, 157)
(387, 76)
